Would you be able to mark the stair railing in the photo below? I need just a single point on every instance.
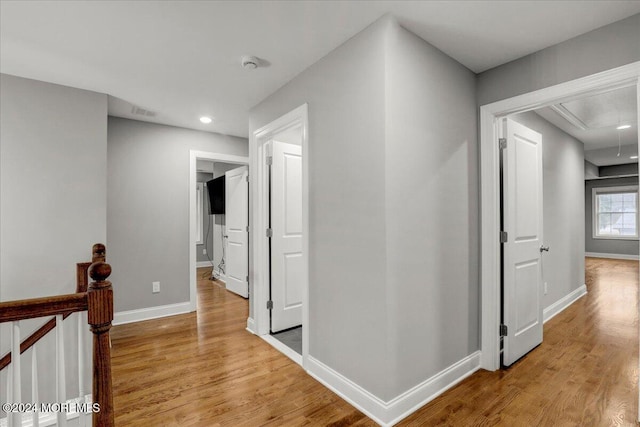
(94, 303)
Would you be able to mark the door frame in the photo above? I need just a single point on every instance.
(625, 76)
(194, 156)
(259, 262)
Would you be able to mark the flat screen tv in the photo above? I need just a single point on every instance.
(215, 188)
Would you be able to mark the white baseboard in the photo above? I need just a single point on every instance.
(391, 412)
(221, 277)
(564, 302)
(130, 316)
(282, 348)
(251, 325)
(612, 256)
(201, 264)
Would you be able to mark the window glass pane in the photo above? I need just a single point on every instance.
(604, 203)
(630, 197)
(629, 224)
(616, 224)
(616, 203)
(604, 223)
(629, 202)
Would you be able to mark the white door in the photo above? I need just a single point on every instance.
(286, 239)
(522, 220)
(237, 237)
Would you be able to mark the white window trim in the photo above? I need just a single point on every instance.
(595, 191)
(199, 207)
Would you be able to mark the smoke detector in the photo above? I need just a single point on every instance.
(250, 62)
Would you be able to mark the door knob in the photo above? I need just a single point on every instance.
(544, 248)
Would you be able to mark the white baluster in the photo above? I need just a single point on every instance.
(10, 394)
(15, 368)
(61, 395)
(82, 420)
(35, 419)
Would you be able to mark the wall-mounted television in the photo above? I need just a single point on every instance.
(215, 188)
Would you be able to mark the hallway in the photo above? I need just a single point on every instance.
(206, 370)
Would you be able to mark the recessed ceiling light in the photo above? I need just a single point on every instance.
(623, 127)
(633, 157)
(206, 120)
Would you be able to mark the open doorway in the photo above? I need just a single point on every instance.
(206, 219)
(285, 236)
(280, 254)
(491, 116)
(222, 201)
(547, 155)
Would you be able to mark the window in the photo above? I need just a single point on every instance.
(615, 212)
(199, 216)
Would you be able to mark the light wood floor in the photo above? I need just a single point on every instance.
(206, 370)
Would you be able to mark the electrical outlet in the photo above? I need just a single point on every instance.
(156, 287)
(204, 252)
(545, 288)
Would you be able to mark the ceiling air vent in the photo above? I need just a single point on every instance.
(142, 112)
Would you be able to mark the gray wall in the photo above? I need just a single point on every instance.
(148, 208)
(393, 207)
(431, 189)
(602, 49)
(345, 91)
(606, 246)
(53, 161)
(563, 204)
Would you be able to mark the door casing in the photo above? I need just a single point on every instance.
(259, 215)
(490, 115)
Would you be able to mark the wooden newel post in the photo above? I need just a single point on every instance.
(100, 315)
(98, 253)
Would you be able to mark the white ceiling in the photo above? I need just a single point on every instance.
(594, 119)
(181, 59)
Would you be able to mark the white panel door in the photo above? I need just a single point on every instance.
(237, 236)
(522, 216)
(286, 240)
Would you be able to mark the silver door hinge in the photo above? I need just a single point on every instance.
(269, 305)
(503, 237)
(269, 160)
(269, 232)
(503, 330)
(247, 279)
(247, 178)
(502, 143)
(247, 228)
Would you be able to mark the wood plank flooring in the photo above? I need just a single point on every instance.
(206, 370)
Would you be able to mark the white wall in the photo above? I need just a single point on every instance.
(53, 160)
(431, 192)
(148, 208)
(563, 204)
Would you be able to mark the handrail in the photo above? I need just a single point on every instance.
(98, 253)
(12, 311)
